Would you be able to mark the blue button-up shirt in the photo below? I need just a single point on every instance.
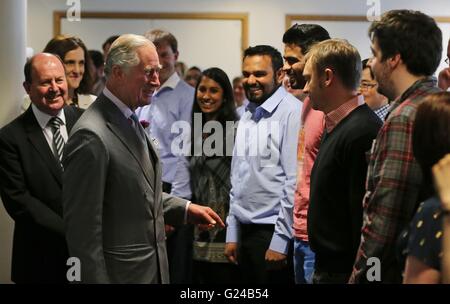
(171, 103)
(263, 179)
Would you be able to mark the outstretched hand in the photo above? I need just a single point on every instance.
(205, 217)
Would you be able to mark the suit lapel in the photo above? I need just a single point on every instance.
(37, 139)
(71, 117)
(157, 187)
(119, 125)
(156, 161)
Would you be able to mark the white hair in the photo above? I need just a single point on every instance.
(123, 52)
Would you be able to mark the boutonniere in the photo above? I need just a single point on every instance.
(144, 123)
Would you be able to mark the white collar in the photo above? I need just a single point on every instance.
(171, 82)
(43, 118)
(126, 111)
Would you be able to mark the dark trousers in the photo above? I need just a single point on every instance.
(215, 273)
(325, 277)
(179, 251)
(255, 240)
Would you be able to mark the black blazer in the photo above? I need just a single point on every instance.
(30, 188)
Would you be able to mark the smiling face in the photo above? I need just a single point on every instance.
(368, 86)
(260, 80)
(294, 65)
(209, 96)
(74, 62)
(141, 81)
(48, 87)
(167, 58)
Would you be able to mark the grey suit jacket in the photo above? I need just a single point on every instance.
(113, 205)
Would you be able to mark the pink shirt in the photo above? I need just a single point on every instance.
(310, 134)
(333, 118)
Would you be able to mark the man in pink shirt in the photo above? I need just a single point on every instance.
(298, 39)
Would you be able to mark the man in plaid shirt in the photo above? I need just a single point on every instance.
(402, 69)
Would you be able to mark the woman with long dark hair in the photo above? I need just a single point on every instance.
(77, 63)
(209, 167)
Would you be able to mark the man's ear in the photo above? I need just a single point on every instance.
(328, 77)
(394, 61)
(117, 72)
(27, 86)
(280, 76)
(176, 54)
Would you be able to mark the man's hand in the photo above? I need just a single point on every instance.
(275, 260)
(169, 230)
(231, 252)
(441, 173)
(205, 217)
(444, 79)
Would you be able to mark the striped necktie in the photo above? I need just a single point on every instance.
(58, 141)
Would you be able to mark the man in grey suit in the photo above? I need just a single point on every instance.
(113, 205)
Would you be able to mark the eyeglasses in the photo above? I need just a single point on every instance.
(367, 85)
(447, 61)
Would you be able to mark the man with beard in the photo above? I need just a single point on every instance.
(172, 102)
(31, 173)
(297, 42)
(394, 179)
(264, 173)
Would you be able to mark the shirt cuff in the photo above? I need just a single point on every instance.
(279, 244)
(186, 212)
(232, 230)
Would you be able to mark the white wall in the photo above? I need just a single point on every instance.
(266, 18)
(6, 232)
(12, 59)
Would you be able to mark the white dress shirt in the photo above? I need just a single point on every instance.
(43, 119)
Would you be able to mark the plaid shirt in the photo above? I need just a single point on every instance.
(382, 112)
(392, 187)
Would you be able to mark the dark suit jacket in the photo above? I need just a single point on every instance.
(30, 187)
(114, 207)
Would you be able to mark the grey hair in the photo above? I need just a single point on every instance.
(123, 52)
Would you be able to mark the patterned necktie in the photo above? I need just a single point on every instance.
(58, 141)
(138, 128)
